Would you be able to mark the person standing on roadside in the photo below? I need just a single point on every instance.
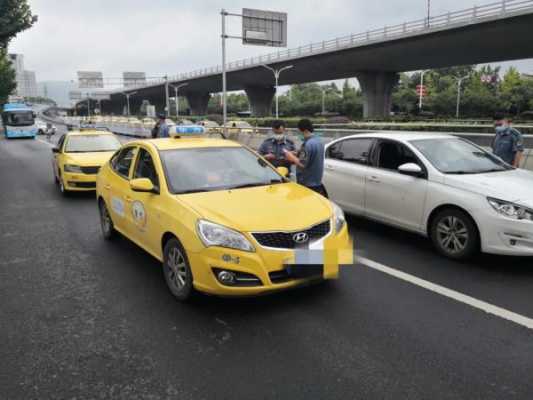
(163, 127)
(155, 130)
(273, 147)
(508, 143)
(309, 160)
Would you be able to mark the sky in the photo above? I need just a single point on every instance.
(172, 36)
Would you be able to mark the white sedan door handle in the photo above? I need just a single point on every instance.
(374, 179)
(330, 167)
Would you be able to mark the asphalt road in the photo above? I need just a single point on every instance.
(88, 319)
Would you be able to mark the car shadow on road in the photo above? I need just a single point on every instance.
(148, 270)
(373, 237)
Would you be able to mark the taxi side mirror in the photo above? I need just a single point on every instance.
(55, 149)
(283, 171)
(142, 185)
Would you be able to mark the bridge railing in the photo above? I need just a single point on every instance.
(500, 9)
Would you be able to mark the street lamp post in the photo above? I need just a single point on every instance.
(167, 99)
(88, 105)
(421, 94)
(176, 88)
(128, 101)
(277, 73)
(459, 85)
(429, 12)
(323, 101)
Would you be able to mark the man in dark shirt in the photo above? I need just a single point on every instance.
(273, 147)
(508, 143)
(309, 160)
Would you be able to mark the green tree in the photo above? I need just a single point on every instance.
(8, 81)
(404, 97)
(516, 92)
(15, 17)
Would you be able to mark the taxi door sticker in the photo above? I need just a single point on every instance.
(139, 214)
(117, 205)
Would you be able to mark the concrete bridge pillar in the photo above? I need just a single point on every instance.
(260, 99)
(377, 91)
(198, 102)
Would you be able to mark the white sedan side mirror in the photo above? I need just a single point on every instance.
(410, 169)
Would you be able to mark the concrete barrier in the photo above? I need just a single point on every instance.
(254, 140)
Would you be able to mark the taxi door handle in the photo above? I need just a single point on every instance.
(129, 199)
(107, 187)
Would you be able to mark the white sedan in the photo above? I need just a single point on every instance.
(462, 197)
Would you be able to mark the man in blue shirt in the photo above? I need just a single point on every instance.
(273, 147)
(310, 159)
(508, 143)
(163, 127)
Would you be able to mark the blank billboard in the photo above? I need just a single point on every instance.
(132, 79)
(264, 28)
(90, 80)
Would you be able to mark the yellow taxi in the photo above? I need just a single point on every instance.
(238, 126)
(78, 156)
(219, 217)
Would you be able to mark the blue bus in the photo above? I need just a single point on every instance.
(18, 121)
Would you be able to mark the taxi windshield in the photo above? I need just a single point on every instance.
(216, 168)
(91, 143)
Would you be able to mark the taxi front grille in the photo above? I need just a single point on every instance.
(285, 240)
(90, 170)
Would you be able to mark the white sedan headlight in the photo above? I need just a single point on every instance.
(213, 234)
(511, 210)
(76, 169)
(338, 217)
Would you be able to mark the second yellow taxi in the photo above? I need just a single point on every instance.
(219, 217)
(78, 156)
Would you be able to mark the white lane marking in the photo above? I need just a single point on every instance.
(452, 294)
(45, 142)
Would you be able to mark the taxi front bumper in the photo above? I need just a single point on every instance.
(268, 270)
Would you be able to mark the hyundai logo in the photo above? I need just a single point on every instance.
(300, 237)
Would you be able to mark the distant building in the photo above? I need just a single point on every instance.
(26, 80)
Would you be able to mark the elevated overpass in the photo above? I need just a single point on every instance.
(491, 33)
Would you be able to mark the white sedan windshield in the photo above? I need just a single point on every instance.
(458, 156)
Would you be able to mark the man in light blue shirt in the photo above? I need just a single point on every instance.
(310, 159)
(163, 127)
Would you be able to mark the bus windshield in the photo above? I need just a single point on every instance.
(18, 118)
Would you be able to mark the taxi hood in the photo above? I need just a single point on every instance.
(90, 159)
(279, 207)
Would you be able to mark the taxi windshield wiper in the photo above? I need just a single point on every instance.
(247, 185)
(195, 191)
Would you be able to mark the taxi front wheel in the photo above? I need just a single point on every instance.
(108, 230)
(177, 271)
(62, 188)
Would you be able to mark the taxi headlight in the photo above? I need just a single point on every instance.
(76, 169)
(213, 234)
(338, 217)
(511, 210)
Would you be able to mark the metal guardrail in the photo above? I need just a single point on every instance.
(477, 14)
(259, 134)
